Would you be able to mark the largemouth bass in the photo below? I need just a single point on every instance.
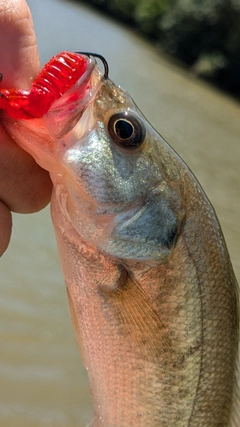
(152, 293)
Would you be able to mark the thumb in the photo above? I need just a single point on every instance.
(18, 48)
(24, 186)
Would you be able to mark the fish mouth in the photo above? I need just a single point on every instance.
(43, 138)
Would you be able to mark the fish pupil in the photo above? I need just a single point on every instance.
(126, 130)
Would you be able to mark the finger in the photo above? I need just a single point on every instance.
(24, 186)
(18, 52)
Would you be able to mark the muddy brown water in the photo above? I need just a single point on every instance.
(42, 381)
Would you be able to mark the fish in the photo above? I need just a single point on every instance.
(152, 293)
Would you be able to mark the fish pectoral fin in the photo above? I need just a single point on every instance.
(139, 323)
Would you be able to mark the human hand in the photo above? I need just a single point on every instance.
(24, 186)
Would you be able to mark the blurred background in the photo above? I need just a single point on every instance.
(42, 379)
(204, 34)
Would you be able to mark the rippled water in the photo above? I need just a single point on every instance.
(42, 380)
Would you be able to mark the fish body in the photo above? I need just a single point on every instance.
(153, 296)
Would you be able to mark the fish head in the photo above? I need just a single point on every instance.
(122, 186)
(116, 180)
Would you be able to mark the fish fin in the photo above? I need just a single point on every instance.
(149, 336)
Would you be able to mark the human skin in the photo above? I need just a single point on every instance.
(24, 186)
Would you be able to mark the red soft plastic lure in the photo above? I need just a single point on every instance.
(56, 77)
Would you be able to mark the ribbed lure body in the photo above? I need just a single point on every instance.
(58, 75)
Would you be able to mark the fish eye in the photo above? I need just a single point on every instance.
(126, 130)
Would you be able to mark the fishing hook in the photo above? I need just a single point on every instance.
(97, 55)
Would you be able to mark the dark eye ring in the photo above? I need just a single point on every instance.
(126, 130)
